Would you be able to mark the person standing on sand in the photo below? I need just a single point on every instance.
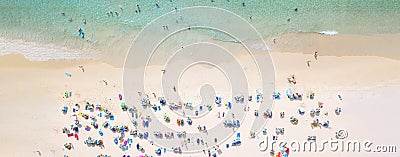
(315, 55)
(82, 68)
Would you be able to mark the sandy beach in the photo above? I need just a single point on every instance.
(32, 97)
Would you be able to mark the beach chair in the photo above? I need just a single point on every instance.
(311, 138)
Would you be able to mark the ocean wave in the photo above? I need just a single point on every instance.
(38, 52)
(330, 33)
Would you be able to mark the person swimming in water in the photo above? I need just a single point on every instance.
(138, 8)
(81, 33)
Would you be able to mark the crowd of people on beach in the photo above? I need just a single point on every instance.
(97, 119)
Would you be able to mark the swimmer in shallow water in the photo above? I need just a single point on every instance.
(81, 33)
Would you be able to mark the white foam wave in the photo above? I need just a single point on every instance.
(329, 32)
(38, 52)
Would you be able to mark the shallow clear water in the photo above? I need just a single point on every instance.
(43, 21)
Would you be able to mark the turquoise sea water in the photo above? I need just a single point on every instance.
(57, 21)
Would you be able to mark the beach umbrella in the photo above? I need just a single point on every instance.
(289, 92)
(123, 105)
(320, 104)
(68, 74)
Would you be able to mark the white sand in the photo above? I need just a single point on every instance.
(31, 99)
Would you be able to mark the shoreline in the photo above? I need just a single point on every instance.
(380, 45)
